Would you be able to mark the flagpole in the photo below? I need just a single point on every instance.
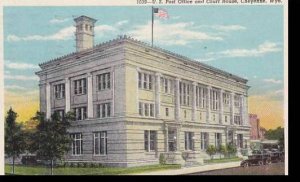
(152, 28)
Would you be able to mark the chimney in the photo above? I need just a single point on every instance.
(84, 32)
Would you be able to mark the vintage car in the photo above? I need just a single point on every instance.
(256, 159)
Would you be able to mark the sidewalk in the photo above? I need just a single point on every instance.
(188, 170)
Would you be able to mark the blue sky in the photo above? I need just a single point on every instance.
(243, 40)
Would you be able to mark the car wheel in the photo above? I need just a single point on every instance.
(246, 164)
(260, 163)
(268, 162)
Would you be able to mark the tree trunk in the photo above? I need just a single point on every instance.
(13, 167)
(51, 166)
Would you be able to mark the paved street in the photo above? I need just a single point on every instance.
(273, 169)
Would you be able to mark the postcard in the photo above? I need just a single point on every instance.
(144, 87)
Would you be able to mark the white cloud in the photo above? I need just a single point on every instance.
(21, 77)
(226, 28)
(278, 92)
(14, 87)
(20, 66)
(270, 80)
(63, 34)
(58, 20)
(102, 29)
(123, 22)
(262, 49)
(180, 33)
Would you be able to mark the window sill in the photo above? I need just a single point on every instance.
(99, 155)
(59, 98)
(149, 90)
(104, 90)
(79, 94)
(77, 155)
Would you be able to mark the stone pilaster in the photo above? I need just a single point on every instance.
(177, 100)
(246, 113)
(221, 110)
(232, 108)
(166, 138)
(67, 95)
(48, 100)
(90, 96)
(194, 102)
(242, 114)
(157, 95)
(208, 108)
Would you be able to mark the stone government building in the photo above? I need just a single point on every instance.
(134, 102)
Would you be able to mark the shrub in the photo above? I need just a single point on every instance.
(223, 150)
(162, 159)
(231, 149)
(211, 150)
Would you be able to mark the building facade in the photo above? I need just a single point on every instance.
(256, 131)
(134, 102)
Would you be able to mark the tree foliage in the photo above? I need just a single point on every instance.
(231, 148)
(211, 150)
(51, 140)
(14, 137)
(276, 134)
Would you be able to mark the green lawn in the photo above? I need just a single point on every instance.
(222, 160)
(41, 170)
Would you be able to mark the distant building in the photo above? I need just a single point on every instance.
(256, 132)
(134, 102)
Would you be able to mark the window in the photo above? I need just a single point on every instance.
(237, 101)
(103, 110)
(214, 117)
(103, 81)
(80, 86)
(150, 140)
(200, 116)
(100, 143)
(188, 140)
(146, 109)
(167, 111)
(200, 97)
(59, 90)
(80, 113)
(145, 81)
(184, 113)
(218, 140)
(166, 85)
(225, 119)
(240, 140)
(226, 98)
(184, 90)
(204, 140)
(237, 120)
(76, 144)
(215, 100)
(172, 140)
(86, 27)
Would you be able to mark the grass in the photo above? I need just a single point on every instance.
(42, 170)
(222, 160)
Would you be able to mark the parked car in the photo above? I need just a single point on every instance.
(257, 159)
(276, 156)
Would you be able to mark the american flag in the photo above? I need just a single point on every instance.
(161, 13)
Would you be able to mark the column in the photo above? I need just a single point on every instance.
(178, 130)
(208, 104)
(48, 100)
(68, 92)
(246, 115)
(231, 108)
(177, 100)
(157, 95)
(194, 102)
(221, 106)
(112, 87)
(166, 138)
(90, 95)
(242, 110)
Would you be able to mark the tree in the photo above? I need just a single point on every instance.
(231, 149)
(51, 140)
(14, 137)
(276, 134)
(223, 150)
(211, 150)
